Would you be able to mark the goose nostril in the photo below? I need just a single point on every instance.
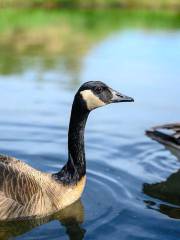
(119, 95)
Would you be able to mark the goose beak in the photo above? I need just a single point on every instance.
(119, 97)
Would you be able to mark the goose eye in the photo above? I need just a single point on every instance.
(98, 89)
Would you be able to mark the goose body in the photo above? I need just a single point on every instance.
(167, 134)
(26, 192)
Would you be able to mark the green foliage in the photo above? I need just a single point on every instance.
(173, 4)
(51, 35)
(11, 19)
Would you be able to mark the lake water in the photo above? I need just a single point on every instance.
(36, 95)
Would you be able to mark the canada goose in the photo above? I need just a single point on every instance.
(27, 192)
(169, 135)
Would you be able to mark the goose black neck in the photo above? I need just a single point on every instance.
(76, 152)
(75, 167)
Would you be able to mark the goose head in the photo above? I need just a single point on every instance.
(96, 94)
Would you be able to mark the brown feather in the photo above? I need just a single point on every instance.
(27, 192)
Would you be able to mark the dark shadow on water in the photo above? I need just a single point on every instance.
(70, 218)
(167, 191)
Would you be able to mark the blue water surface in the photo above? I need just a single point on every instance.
(35, 108)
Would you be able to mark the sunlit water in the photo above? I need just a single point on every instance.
(35, 107)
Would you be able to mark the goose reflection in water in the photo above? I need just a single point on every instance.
(168, 190)
(71, 218)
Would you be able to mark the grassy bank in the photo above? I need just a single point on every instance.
(51, 30)
(154, 4)
(50, 36)
(89, 21)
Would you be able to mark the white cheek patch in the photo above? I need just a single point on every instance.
(91, 100)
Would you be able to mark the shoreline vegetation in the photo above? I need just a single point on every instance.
(50, 31)
(93, 4)
(46, 38)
